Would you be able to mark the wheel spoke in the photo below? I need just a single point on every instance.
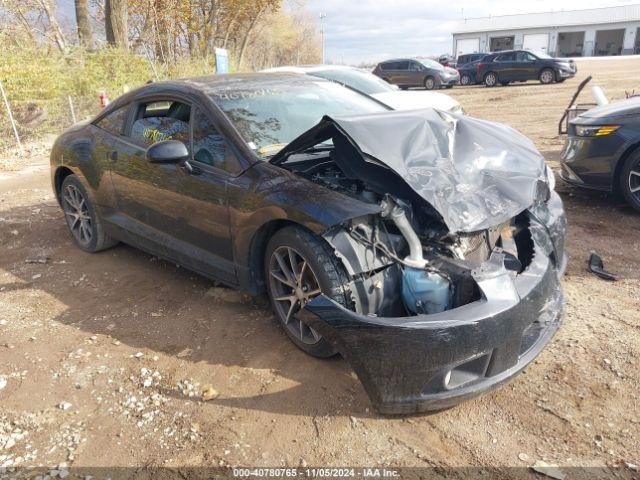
(286, 298)
(634, 173)
(70, 201)
(313, 293)
(281, 279)
(294, 265)
(86, 229)
(290, 312)
(284, 268)
(316, 335)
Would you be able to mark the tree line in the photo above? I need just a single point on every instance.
(257, 33)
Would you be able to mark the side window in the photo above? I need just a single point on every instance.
(114, 121)
(415, 67)
(404, 65)
(209, 147)
(506, 57)
(161, 120)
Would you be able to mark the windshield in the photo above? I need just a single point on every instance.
(431, 64)
(268, 119)
(364, 82)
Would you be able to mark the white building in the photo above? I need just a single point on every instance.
(568, 33)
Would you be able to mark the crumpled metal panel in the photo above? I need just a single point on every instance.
(475, 173)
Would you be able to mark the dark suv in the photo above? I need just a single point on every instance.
(521, 65)
(417, 73)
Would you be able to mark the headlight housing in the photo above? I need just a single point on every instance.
(551, 178)
(595, 130)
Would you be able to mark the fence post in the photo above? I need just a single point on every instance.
(13, 122)
(73, 113)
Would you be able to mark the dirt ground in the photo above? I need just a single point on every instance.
(105, 356)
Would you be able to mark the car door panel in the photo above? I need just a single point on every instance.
(183, 212)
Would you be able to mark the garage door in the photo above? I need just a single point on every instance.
(538, 42)
(467, 45)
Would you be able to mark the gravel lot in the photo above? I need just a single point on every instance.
(104, 358)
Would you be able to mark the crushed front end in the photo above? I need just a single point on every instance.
(417, 363)
(455, 282)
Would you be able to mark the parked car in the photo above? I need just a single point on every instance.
(447, 61)
(469, 73)
(601, 151)
(520, 65)
(467, 58)
(428, 252)
(369, 84)
(425, 73)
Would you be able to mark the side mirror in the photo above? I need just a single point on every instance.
(167, 151)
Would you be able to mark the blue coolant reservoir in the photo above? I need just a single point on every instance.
(425, 292)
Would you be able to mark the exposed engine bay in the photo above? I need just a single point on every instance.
(404, 261)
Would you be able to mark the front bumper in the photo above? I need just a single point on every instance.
(590, 161)
(566, 73)
(453, 80)
(431, 362)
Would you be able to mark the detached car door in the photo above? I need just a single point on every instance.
(177, 211)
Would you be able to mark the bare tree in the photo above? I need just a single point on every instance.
(85, 35)
(116, 22)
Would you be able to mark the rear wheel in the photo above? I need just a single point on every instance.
(547, 76)
(630, 180)
(299, 266)
(82, 218)
(491, 79)
(429, 83)
(465, 80)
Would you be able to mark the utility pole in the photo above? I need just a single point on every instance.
(322, 17)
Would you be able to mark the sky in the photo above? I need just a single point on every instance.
(368, 31)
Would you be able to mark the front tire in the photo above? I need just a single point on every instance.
(547, 76)
(84, 222)
(429, 83)
(491, 79)
(299, 266)
(465, 80)
(630, 180)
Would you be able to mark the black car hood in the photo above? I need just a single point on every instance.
(476, 174)
(629, 106)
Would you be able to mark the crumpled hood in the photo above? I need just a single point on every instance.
(476, 174)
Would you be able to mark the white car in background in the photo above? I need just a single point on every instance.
(368, 84)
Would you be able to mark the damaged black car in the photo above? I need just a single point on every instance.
(423, 246)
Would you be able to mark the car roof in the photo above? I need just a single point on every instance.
(215, 84)
(219, 83)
